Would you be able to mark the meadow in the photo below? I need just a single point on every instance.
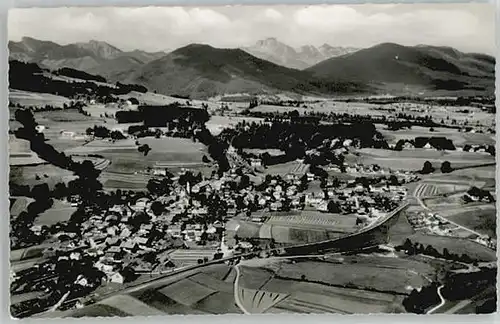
(35, 99)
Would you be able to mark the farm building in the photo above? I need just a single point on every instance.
(67, 134)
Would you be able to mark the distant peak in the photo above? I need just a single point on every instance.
(268, 41)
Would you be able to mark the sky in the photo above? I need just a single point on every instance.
(468, 27)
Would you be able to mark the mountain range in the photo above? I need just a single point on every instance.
(95, 57)
(397, 68)
(272, 50)
(201, 71)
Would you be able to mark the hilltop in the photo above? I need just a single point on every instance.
(423, 67)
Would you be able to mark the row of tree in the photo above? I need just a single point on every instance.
(418, 248)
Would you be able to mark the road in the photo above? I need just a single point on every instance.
(236, 292)
(440, 304)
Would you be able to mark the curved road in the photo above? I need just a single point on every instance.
(440, 304)
(236, 292)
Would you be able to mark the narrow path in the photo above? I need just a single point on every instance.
(236, 292)
(440, 304)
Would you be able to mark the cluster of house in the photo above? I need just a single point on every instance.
(374, 170)
(373, 201)
(432, 223)
(435, 224)
(487, 241)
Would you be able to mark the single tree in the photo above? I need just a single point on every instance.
(446, 167)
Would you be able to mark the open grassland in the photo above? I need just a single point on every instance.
(19, 204)
(39, 174)
(481, 219)
(482, 173)
(413, 159)
(376, 275)
(61, 211)
(35, 99)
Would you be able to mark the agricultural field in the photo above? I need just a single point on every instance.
(313, 219)
(283, 169)
(259, 301)
(429, 188)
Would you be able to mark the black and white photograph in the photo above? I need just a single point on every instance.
(244, 159)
